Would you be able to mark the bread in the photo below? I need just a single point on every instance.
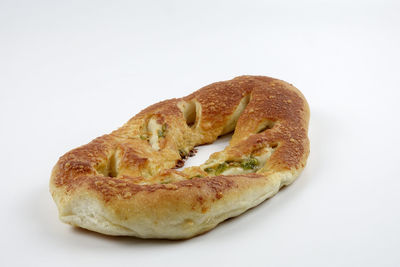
(125, 182)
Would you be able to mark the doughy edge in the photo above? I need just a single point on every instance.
(86, 209)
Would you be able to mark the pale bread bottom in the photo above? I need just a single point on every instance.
(90, 213)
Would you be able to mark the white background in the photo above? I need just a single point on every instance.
(73, 70)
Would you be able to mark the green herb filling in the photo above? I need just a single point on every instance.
(249, 164)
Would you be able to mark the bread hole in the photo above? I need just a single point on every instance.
(231, 124)
(266, 125)
(251, 163)
(112, 166)
(155, 132)
(109, 168)
(203, 152)
(191, 112)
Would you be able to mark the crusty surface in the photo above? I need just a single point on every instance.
(125, 183)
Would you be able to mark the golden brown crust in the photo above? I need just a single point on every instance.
(125, 170)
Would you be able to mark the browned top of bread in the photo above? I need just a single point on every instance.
(139, 158)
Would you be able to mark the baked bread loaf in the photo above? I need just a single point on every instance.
(126, 182)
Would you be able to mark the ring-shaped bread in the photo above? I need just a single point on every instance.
(126, 182)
